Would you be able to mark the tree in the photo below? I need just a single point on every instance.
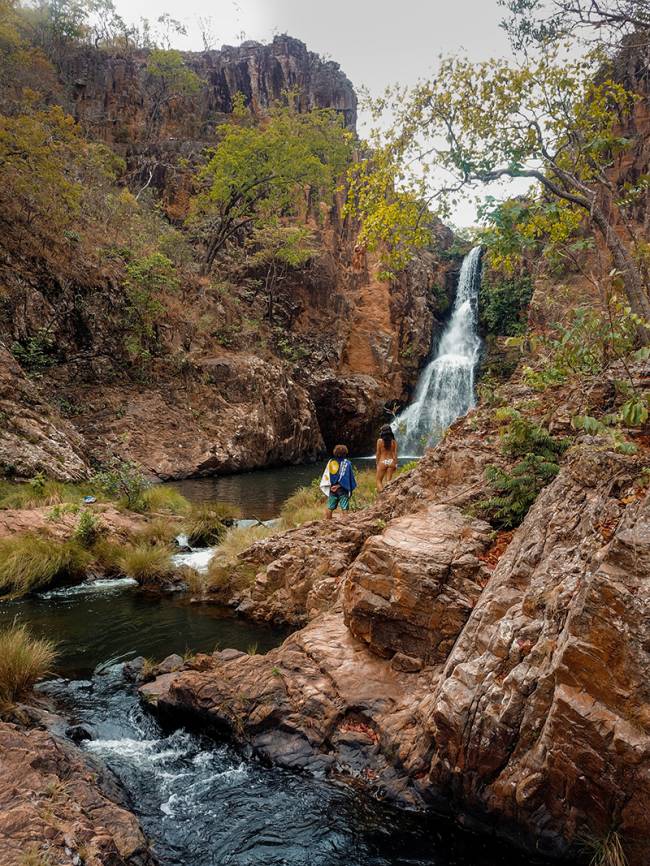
(168, 79)
(276, 249)
(548, 119)
(533, 21)
(259, 172)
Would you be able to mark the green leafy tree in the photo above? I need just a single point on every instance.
(168, 80)
(261, 172)
(147, 279)
(548, 119)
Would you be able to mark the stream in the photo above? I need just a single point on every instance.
(203, 803)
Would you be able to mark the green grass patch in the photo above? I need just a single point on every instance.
(32, 562)
(147, 564)
(207, 522)
(38, 492)
(164, 500)
(23, 661)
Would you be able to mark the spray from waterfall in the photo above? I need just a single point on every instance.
(445, 389)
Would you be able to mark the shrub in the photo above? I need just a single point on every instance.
(503, 302)
(124, 480)
(147, 564)
(515, 492)
(35, 353)
(167, 500)
(23, 660)
(32, 562)
(607, 851)
(521, 437)
(88, 530)
(207, 521)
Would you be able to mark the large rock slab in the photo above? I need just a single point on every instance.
(412, 588)
(542, 717)
(60, 807)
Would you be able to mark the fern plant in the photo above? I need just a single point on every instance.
(515, 492)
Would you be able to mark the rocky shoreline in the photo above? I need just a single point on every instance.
(440, 671)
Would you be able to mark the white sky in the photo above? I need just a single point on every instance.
(376, 42)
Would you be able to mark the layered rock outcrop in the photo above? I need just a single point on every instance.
(58, 806)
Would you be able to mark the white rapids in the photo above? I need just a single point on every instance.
(445, 390)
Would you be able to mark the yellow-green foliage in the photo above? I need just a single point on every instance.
(147, 564)
(107, 556)
(158, 532)
(23, 660)
(32, 562)
(160, 499)
(207, 521)
(607, 851)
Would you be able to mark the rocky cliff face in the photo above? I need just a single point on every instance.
(509, 688)
(344, 348)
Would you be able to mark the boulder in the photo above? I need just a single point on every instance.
(412, 588)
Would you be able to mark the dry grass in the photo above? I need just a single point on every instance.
(225, 569)
(23, 661)
(308, 503)
(607, 851)
(207, 522)
(159, 532)
(147, 564)
(164, 500)
(31, 562)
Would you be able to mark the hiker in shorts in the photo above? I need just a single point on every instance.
(386, 456)
(338, 481)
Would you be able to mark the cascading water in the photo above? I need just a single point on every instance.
(445, 389)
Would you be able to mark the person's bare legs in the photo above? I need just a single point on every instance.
(381, 472)
(389, 475)
(328, 513)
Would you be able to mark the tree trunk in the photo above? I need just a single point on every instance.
(623, 262)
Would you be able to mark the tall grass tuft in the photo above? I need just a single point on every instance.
(207, 522)
(159, 499)
(38, 492)
(158, 532)
(23, 661)
(607, 851)
(32, 562)
(224, 567)
(147, 564)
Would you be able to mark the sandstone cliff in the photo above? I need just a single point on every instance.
(226, 388)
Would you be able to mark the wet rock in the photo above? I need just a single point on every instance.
(133, 670)
(78, 733)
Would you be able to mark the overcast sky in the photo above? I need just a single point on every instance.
(376, 42)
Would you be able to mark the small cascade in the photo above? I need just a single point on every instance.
(445, 389)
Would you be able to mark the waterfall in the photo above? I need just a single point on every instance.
(445, 389)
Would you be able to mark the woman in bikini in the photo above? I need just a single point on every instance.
(386, 456)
